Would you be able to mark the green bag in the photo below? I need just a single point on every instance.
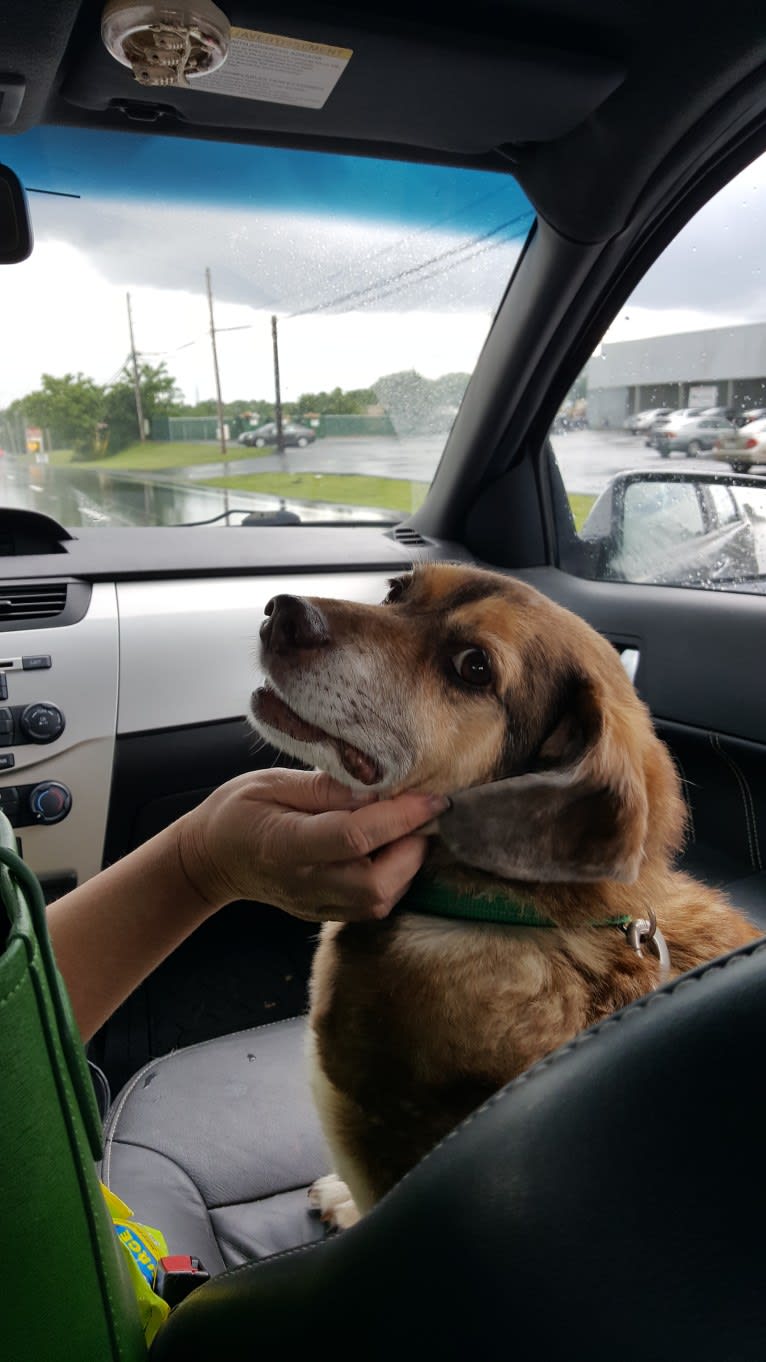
(65, 1291)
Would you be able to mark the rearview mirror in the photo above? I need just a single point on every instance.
(680, 529)
(15, 227)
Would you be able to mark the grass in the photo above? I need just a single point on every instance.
(581, 504)
(395, 494)
(150, 457)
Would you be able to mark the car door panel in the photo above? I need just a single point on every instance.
(690, 643)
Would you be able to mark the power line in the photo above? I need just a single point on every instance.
(387, 292)
(386, 286)
(428, 227)
(355, 295)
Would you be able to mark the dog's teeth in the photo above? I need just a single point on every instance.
(357, 764)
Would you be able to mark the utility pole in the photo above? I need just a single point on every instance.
(136, 384)
(277, 391)
(219, 402)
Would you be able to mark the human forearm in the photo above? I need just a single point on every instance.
(112, 931)
(295, 839)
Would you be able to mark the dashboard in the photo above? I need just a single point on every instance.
(107, 687)
(125, 704)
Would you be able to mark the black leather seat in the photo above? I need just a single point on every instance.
(607, 1204)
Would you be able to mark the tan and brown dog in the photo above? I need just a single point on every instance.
(469, 681)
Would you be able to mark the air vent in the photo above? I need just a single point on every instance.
(21, 603)
(404, 535)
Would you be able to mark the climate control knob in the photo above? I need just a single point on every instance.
(49, 802)
(41, 722)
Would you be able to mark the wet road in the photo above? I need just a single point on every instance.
(587, 459)
(414, 459)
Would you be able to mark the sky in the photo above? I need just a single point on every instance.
(70, 311)
(395, 268)
(712, 274)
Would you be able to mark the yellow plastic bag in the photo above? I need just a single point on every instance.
(143, 1247)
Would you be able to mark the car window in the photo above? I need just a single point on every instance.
(724, 504)
(693, 332)
(178, 286)
(680, 513)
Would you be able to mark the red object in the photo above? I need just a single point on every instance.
(181, 1262)
(177, 1275)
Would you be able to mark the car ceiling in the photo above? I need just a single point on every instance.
(579, 99)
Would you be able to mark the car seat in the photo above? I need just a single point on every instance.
(606, 1203)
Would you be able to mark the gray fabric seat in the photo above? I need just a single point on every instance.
(216, 1144)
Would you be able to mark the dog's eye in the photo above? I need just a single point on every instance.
(472, 666)
(395, 592)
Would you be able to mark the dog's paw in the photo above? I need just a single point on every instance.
(331, 1199)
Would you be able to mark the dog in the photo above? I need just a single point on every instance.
(566, 812)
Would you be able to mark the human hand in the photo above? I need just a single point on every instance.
(302, 841)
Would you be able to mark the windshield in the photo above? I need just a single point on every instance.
(205, 330)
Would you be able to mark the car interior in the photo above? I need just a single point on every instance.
(608, 1202)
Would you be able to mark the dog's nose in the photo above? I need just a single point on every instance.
(293, 623)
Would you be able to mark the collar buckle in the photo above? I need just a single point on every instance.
(643, 932)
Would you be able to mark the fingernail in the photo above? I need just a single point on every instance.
(438, 803)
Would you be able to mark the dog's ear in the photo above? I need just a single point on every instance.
(581, 813)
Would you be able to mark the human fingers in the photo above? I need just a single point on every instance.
(307, 791)
(347, 835)
(358, 891)
(389, 875)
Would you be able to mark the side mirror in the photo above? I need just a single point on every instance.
(680, 529)
(15, 226)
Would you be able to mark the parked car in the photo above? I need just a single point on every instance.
(728, 413)
(642, 420)
(267, 435)
(752, 414)
(664, 422)
(744, 447)
(690, 436)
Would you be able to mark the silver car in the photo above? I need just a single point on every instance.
(744, 449)
(642, 420)
(690, 435)
(665, 422)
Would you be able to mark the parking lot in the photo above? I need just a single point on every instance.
(587, 458)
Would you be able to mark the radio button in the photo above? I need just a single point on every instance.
(41, 722)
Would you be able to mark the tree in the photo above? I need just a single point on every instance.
(448, 390)
(337, 403)
(70, 408)
(159, 397)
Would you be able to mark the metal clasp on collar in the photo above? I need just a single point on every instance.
(643, 932)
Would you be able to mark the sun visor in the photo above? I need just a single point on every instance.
(450, 92)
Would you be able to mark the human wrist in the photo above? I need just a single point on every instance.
(206, 887)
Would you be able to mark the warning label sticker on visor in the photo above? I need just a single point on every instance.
(278, 70)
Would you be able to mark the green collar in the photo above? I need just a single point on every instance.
(433, 899)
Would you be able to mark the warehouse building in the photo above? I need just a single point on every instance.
(723, 367)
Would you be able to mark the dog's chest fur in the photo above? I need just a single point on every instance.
(418, 1020)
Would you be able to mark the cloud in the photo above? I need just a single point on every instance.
(713, 273)
(415, 290)
(369, 298)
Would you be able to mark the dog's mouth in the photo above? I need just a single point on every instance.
(269, 709)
